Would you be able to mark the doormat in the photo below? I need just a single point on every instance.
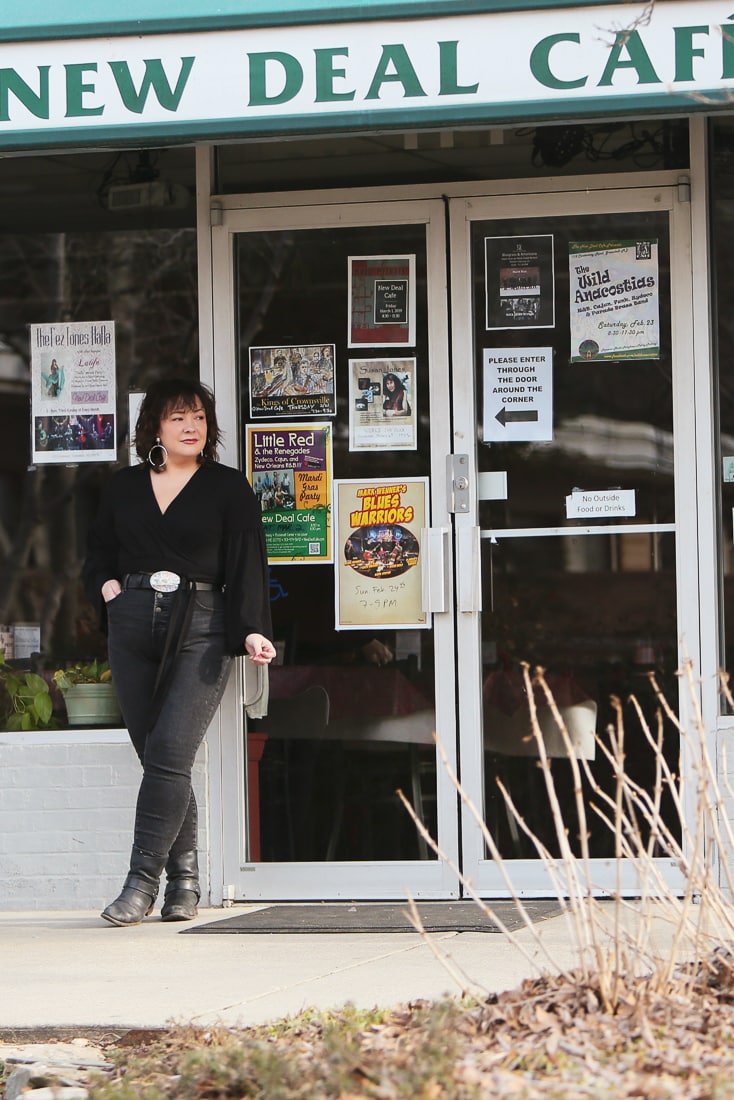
(437, 916)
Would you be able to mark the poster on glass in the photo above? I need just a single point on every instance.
(381, 301)
(73, 392)
(289, 468)
(382, 402)
(378, 563)
(519, 279)
(292, 380)
(615, 300)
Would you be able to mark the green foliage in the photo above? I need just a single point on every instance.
(95, 672)
(29, 705)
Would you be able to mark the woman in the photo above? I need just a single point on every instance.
(177, 561)
(396, 397)
(54, 380)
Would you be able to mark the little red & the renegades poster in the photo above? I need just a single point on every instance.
(289, 468)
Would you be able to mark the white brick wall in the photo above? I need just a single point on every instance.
(67, 803)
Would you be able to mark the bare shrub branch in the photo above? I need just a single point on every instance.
(615, 937)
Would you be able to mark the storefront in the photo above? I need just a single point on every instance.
(460, 284)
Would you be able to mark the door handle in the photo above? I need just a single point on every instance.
(469, 569)
(434, 578)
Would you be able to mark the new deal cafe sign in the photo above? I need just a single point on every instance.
(481, 67)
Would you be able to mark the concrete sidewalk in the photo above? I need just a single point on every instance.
(69, 969)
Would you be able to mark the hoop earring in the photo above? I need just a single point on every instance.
(158, 446)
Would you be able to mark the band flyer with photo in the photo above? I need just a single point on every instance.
(519, 279)
(294, 380)
(615, 300)
(378, 570)
(382, 405)
(289, 467)
(381, 301)
(73, 392)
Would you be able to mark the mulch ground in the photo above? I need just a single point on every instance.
(551, 1038)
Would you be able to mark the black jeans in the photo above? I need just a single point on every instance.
(166, 737)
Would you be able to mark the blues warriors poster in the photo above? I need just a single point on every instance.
(378, 556)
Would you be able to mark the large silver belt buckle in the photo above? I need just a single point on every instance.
(164, 581)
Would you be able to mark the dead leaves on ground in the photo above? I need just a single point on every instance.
(548, 1039)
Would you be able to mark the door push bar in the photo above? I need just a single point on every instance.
(434, 580)
(469, 569)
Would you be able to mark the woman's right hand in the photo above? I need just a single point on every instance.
(110, 590)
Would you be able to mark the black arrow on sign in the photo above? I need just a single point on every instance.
(520, 417)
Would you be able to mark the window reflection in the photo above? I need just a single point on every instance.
(598, 614)
(146, 281)
(612, 421)
(347, 725)
(722, 238)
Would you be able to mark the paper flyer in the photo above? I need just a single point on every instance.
(615, 308)
(289, 468)
(381, 301)
(378, 563)
(293, 380)
(517, 387)
(382, 405)
(73, 392)
(519, 278)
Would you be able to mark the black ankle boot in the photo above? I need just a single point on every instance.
(182, 889)
(140, 890)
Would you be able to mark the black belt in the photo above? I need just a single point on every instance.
(182, 589)
(170, 582)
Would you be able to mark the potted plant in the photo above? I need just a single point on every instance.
(89, 694)
(29, 705)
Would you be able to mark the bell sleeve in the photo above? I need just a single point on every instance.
(246, 576)
(101, 560)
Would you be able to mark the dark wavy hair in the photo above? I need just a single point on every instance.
(161, 398)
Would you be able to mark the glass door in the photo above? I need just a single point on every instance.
(573, 403)
(550, 438)
(331, 353)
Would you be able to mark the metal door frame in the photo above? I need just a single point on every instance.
(426, 204)
(359, 879)
(529, 876)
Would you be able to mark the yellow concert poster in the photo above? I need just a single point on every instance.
(377, 553)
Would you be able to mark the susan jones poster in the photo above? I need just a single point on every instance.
(382, 403)
(296, 380)
(519, 278)
(381, 301)
(73, 392)
(378, 553)
(289, 468)
(615, 299)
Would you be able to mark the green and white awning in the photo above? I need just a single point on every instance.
(98, 18)
(215, 71)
